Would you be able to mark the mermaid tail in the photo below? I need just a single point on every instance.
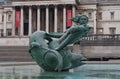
(50, 60)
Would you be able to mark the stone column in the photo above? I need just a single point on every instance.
(13, 25)
(64, 18)
(0, 33)
(30, 20)
(47, 19)
(73, 13)
(21, 21)
(38, 18)
(95, 23)
(55, 19)
(5, 24)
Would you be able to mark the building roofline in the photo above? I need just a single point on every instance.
(37, 3)
(30, 3)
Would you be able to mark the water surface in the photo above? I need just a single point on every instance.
(88, 71)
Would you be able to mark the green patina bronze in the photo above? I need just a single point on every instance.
(50, 50)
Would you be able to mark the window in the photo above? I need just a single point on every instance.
(9, 16)
(1, 32)
(90, 15)
(99, 30)
(100, 15)
(9, 32)
(112, 30)
(112, 15)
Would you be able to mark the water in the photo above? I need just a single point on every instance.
(88, 71)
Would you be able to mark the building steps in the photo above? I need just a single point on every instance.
(15, 54)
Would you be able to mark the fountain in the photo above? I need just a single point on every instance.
(54, 55)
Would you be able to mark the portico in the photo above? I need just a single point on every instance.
(49, 16)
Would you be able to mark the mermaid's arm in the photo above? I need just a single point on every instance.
(55, 34)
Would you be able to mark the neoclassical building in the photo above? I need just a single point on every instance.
(22, 18)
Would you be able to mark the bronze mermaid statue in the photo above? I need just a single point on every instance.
(50, 50)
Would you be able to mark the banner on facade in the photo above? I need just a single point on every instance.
(69, 17)
(17, 19)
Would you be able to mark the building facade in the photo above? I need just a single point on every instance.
(20, 18)
(103, 15)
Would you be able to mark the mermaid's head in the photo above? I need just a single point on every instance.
(80, 19)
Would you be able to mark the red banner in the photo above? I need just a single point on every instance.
(69, 17)
(17, 19)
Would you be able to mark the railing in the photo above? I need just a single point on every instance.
(102, 37)
(98, 1)
(101, 40)
(108, 1)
